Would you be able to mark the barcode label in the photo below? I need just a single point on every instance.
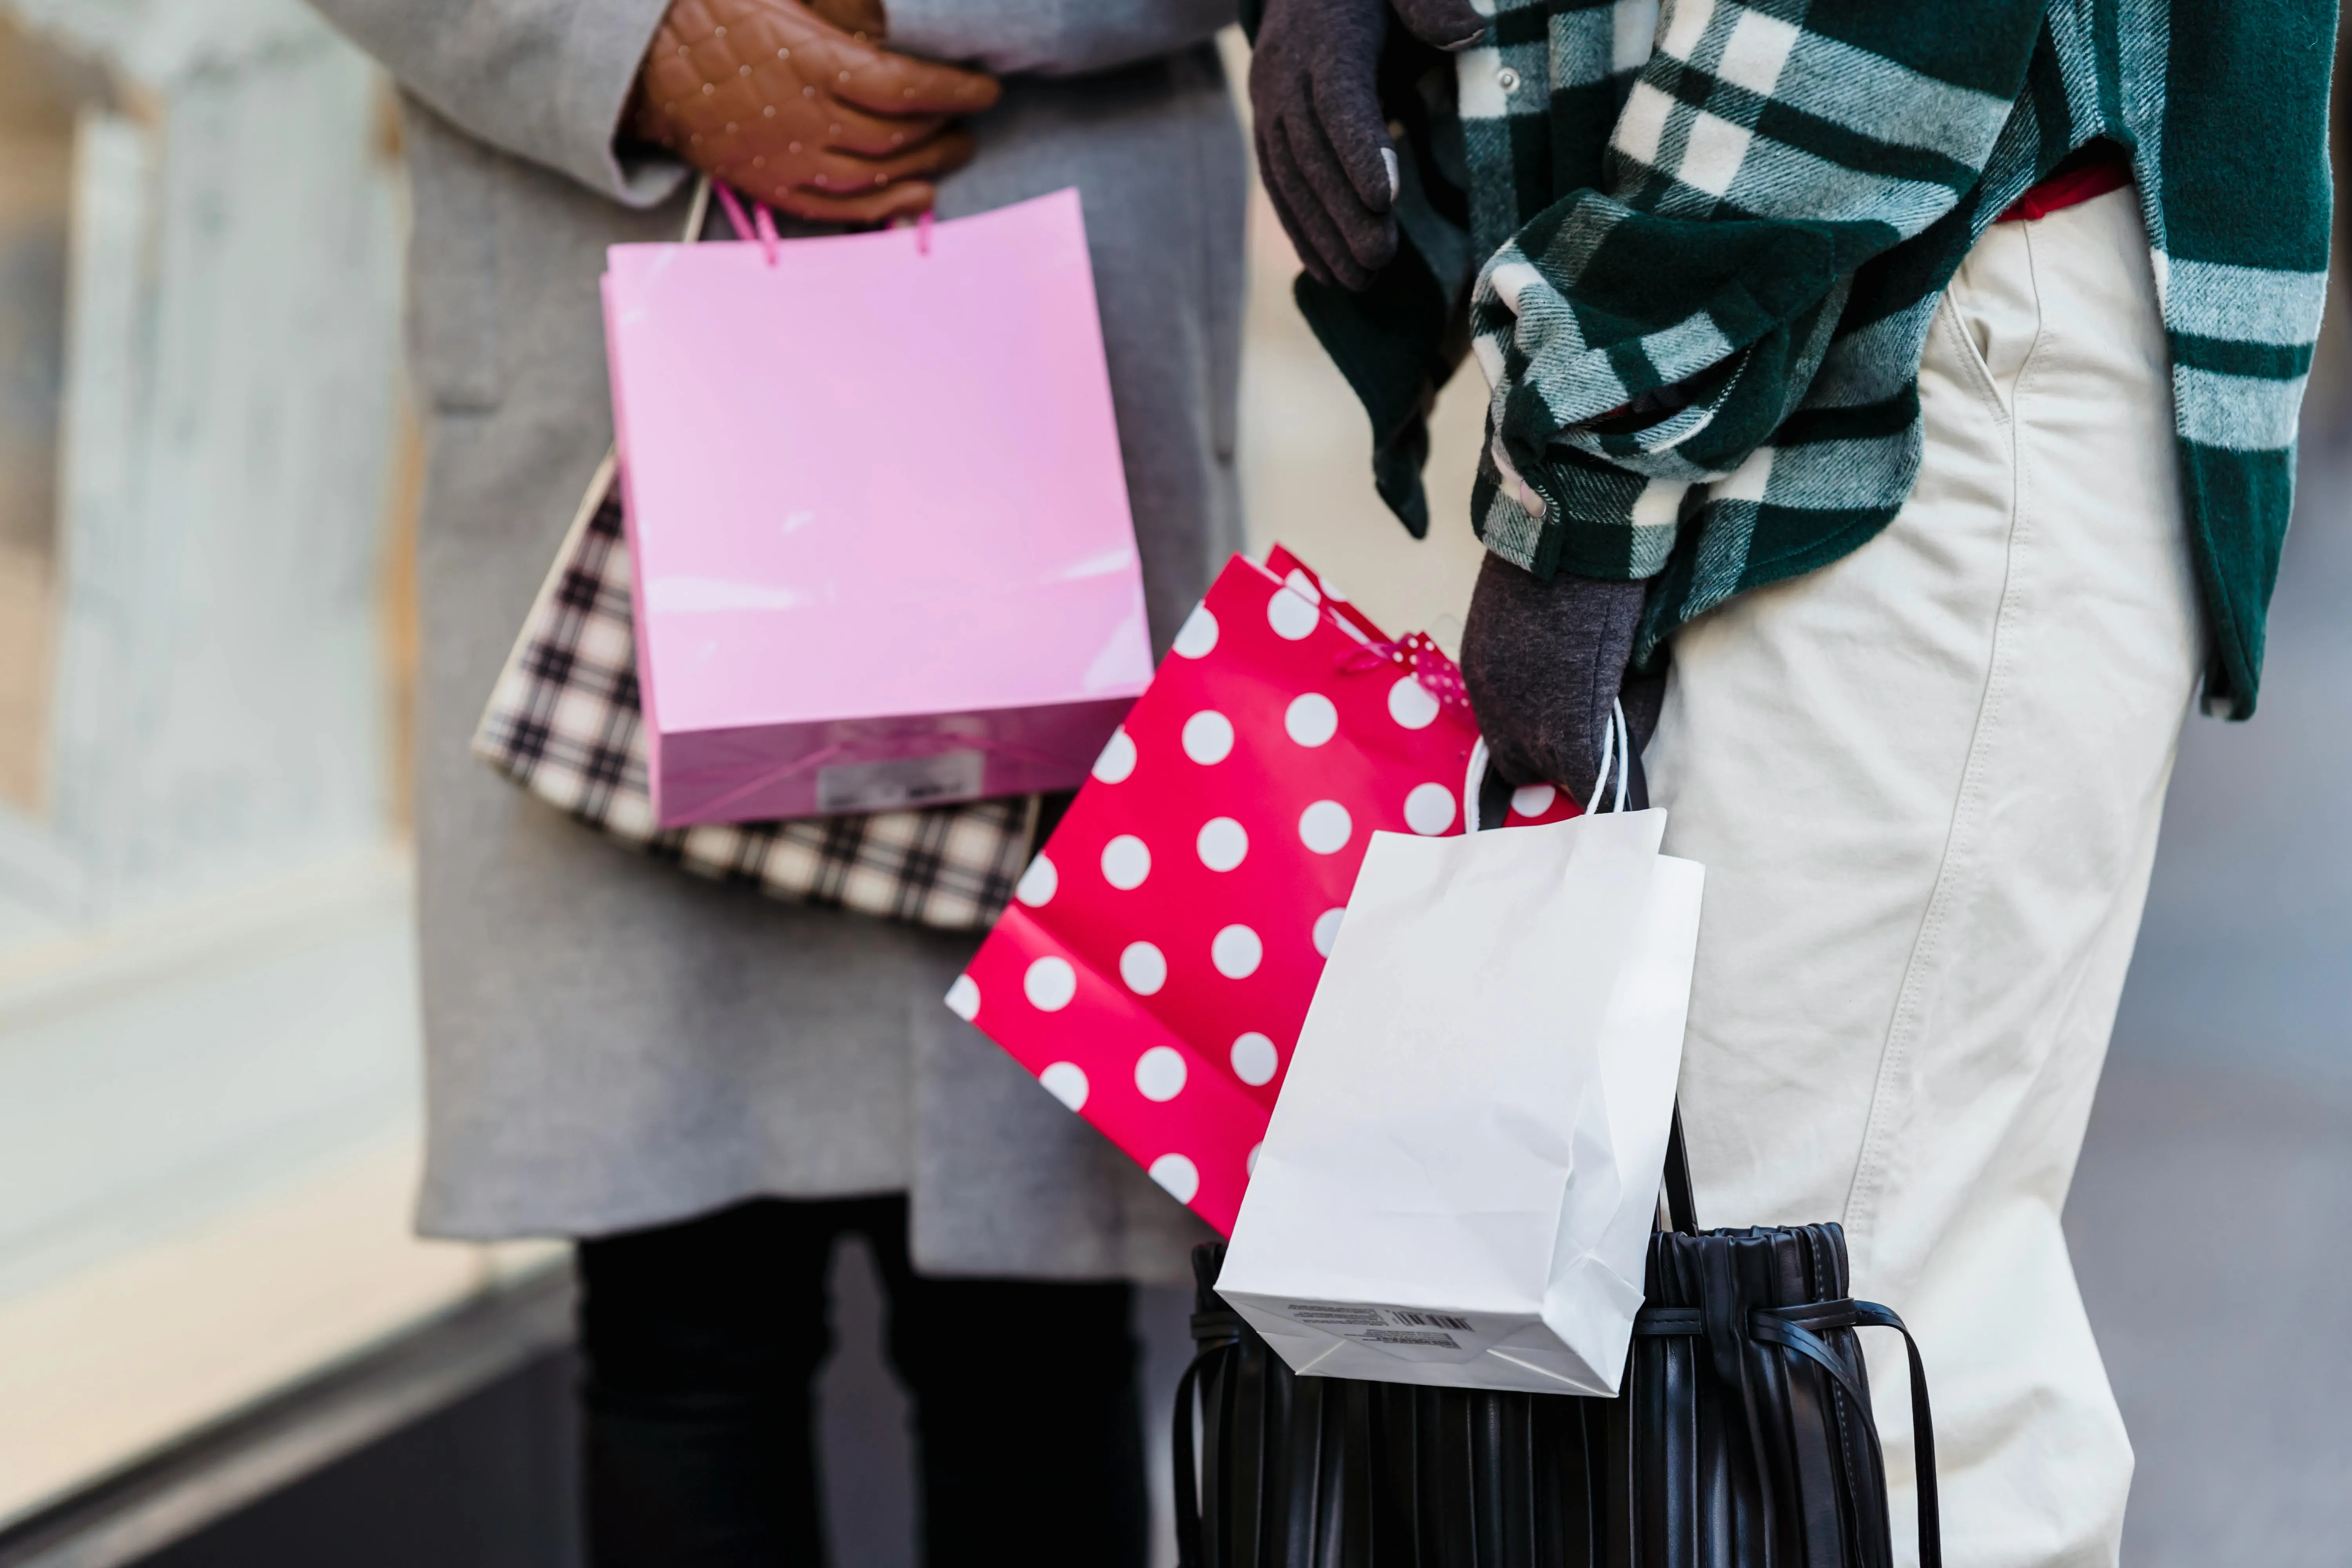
(1406, 1337)
(1430, 1319)
(1317, 1313)
(901, 784)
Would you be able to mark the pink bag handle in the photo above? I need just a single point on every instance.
(761, 226)
(760, 223)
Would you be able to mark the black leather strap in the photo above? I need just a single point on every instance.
(1218, 1333)
(1794, 1328)
(1923, 1434)
(1682, 1208)
(1187, 1486)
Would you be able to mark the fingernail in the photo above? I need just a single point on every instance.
(1389, 162)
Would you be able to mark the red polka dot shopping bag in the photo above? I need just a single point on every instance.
(1159, 956)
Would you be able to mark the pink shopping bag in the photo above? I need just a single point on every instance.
(1156, 965)
(875, 511)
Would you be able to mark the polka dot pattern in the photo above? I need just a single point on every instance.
(963, 998)
(1144, 968)
(1292, 615)
(1178, 1175)
(1126, 862)
(1223, 844)
(1310, 720)
(1325, 827)
(1327, 930)
(1236, 951)
(1197, 638)
(1065, 1081)
(1208, 737)
(1541, 803)
(1117, 763)
(1038, 884)
(1160, 955)
(1255, 1060)
(1159, 1074)
(1050, 984)
(1411, 705)
(1428, 809)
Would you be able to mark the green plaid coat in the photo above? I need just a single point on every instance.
(1700, 247)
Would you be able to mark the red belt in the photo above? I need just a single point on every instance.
(2086, 172)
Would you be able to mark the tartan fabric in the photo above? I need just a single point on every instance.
(564, 722)
(1714, 235)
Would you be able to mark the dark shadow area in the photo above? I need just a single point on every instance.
(488, 1482)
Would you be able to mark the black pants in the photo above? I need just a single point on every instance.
(701, 1339)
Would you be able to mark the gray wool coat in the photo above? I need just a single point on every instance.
(611, 1043)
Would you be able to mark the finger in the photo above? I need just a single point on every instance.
(1320, 242)
(888, 83)
(844, 171)
(849, 129)
(1292, 230)
(856, 16)
(1352, 135)
(1370, 237)
(1370, 232)
(832, 61)
(907, 200)
(1446, 24)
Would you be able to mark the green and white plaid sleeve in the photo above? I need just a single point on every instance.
(1766, 152)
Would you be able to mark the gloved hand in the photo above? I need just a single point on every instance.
(817, 120)
(1543, 662)
(1322, 141)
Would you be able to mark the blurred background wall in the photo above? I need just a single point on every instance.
(208, 1033)
(207, 1071)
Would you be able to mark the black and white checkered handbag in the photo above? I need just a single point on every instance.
(564, 722)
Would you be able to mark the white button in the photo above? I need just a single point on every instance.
(1507, 80)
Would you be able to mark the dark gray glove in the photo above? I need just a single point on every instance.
(1322, 141)
(1543, 662)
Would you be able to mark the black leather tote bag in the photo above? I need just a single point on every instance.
(1743, 1438)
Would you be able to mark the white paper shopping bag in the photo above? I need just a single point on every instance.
(1458, 1182)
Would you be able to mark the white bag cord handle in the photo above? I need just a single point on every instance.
(1472, 782)
(1616, 750)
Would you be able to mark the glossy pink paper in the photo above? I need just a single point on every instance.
(876, 515)
(1156, 964)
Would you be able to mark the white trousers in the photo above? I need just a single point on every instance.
(1925, 782)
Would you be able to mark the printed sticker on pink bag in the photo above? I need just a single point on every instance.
(1158, 960)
